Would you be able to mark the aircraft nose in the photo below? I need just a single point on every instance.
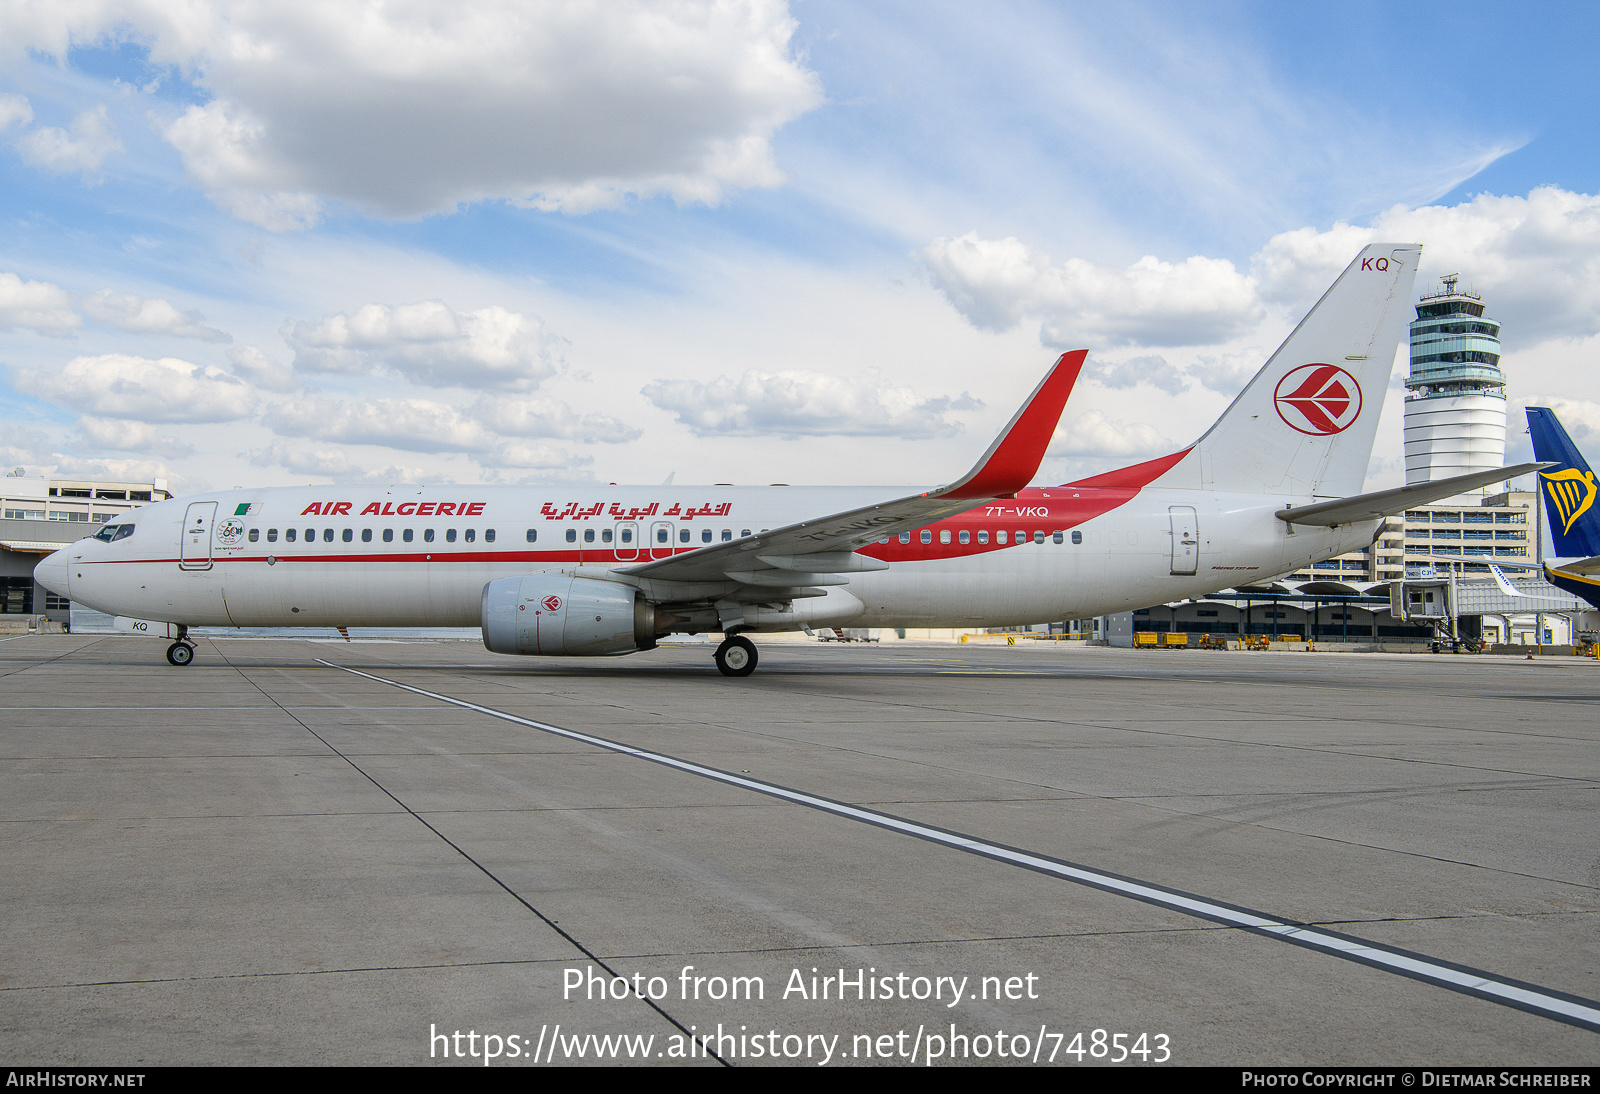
(51, 572)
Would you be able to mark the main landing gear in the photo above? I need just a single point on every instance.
(181, 652)
(736, 656)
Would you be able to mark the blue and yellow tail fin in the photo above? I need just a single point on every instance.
(1568, 488)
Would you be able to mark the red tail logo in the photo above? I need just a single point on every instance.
(1318, 399)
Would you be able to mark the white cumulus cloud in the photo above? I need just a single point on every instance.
(14, 110)
(261, 370)
(140, 315)
(522, 417)
(1580, 418)
(1092, 433)
(1535, 259)
(537, 455)
(335, 463)
(415, 425)
(130, 436)
(83, 147)
(429, 344)
(996, 284)
(37, 306)
(1150, 369)
(799, 403)
(116, 385)
(409, 109)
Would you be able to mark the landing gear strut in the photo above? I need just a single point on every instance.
(181, 652)
(736, 656)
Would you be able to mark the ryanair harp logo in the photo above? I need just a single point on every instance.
(1571, 492)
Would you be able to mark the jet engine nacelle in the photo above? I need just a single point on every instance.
(558, 615)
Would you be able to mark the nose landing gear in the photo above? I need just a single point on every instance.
(736, 656)
(181, 652)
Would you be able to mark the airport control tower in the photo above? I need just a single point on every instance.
(1456, 403)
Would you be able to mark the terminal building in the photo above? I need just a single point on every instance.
(38, 516)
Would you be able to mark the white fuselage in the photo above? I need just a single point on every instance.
(375, 557)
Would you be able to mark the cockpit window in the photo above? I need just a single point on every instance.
(114, 532)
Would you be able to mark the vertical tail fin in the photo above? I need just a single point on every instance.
(1569, 489)
(1305, 424)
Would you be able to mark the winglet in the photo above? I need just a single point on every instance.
(1014, 457)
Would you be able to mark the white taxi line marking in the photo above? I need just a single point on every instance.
(1571, 1009)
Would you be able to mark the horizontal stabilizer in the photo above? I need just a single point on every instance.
(1385, 503)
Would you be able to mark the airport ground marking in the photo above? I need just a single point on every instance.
(1531, 998)
(462, 851)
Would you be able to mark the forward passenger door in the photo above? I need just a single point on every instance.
(194, 549)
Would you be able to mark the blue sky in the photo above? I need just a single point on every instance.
(824, 242)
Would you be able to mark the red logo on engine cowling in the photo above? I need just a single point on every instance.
(1318, 399)
(551, 603)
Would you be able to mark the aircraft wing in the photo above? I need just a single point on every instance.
(1385, 503)
(810, 552)
(1505, 585)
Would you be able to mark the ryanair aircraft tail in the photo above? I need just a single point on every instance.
(1568, 487)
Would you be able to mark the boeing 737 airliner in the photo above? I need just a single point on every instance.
(589, 570)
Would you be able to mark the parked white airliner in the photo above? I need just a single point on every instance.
(586, 570)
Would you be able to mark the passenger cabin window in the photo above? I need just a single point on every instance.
(449, 535)
(572, 535)
(905, 537)
(683, 535)
(388, 535)
(272, 535)
(727, 535)
(588, 535)
(533, 535)
(983, 537)
(944, 535)
(1077, 537)
(1038, 537)
(427, 535)
(661, 535)
(471, 534)
(1057, 537)
(406, 535)
(926, 536)
(1000, 537)
(255, 535)
(627, 535)
(705, 535)
(288, 535)
(488, 535)
(366, 535)
(348, 535)
(327, 535)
